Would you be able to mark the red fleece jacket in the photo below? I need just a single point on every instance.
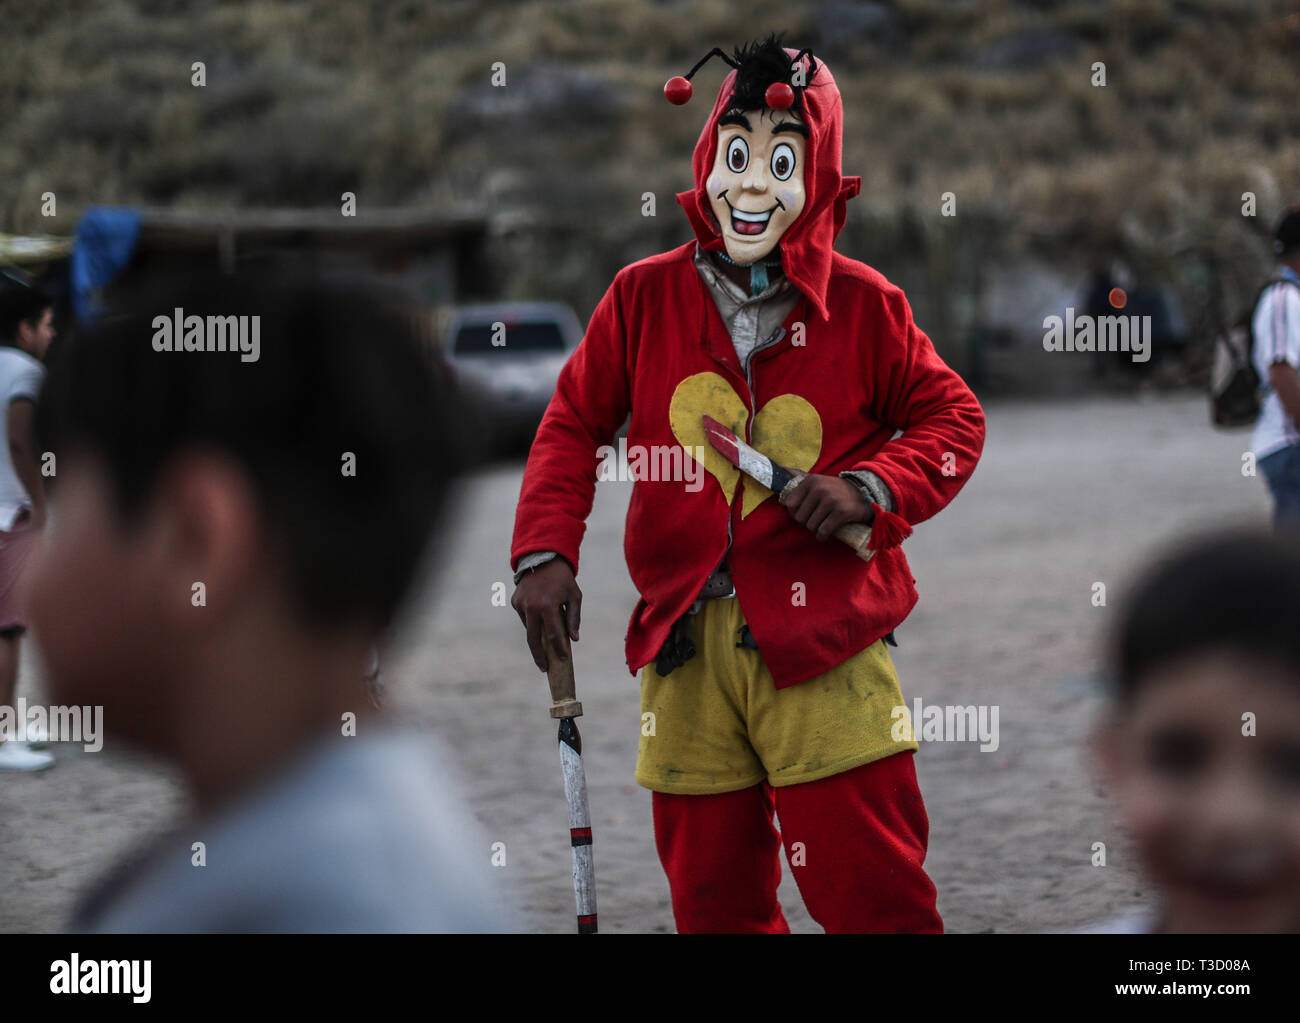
(850, 371)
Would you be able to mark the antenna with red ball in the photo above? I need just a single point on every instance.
(678, 89)
(778, 95)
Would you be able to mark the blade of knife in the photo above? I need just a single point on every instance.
(575, 793)
(748, 460)
(778, 479)
(565, 706)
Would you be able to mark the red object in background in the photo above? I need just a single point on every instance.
(779, 96)
(678, 90)
(1118, 300)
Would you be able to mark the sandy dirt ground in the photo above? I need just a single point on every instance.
(1067, 495)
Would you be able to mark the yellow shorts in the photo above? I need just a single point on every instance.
(718, 723)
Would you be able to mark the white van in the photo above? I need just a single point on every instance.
(509, 355)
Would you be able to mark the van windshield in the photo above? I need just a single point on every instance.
(476, 339)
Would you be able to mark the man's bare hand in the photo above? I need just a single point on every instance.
(547, 599)
(824, 503)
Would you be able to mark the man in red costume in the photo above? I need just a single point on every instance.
(771, 687)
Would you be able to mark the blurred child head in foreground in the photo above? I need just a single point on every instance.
(229, 535)
(1202, 745)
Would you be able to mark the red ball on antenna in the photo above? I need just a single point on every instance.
(678, 90)
(779, 96)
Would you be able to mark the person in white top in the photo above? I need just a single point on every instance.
(1275, 329)
(26, 331)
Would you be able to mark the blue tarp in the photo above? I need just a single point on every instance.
(105, 240)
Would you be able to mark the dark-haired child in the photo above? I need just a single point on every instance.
(767, 686)
(228, 538)
(1201, 748)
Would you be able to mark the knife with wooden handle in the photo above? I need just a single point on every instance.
(778, 479)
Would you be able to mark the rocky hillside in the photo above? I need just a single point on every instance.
(993, 101)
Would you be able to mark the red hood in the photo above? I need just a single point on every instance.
(806, 245)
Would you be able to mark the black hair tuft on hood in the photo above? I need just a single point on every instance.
(759, 64)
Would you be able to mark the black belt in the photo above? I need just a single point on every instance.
(718, 584)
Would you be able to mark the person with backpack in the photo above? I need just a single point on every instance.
(1275, 354)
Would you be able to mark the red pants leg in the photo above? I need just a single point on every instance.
(856, 843)
(722, 855)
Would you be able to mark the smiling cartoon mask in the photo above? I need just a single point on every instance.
(767, 165)
(756, 186)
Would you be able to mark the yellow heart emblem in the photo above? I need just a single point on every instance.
(787, 429)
